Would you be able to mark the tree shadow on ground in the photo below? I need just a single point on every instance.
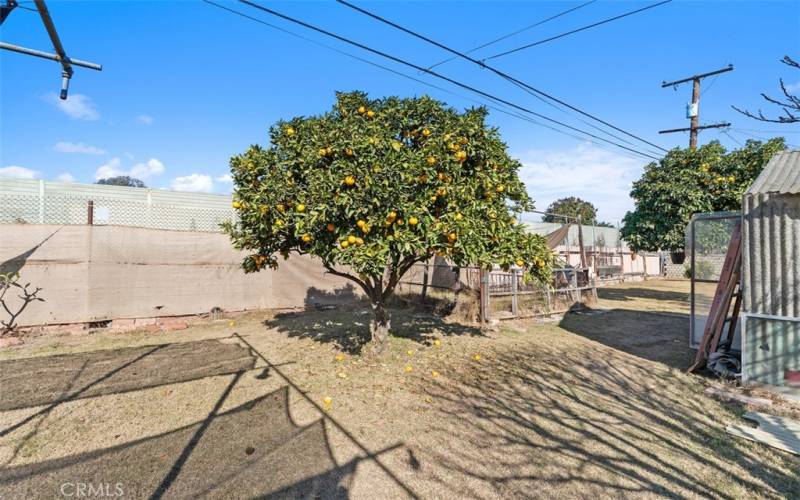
(585, 420)
(49, 380)
(630, 294)
(657, 336)
(55, 380)
(329, 319)
(254, 450)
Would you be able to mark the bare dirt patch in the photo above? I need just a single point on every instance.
(594, 405)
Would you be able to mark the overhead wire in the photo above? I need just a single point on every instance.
(727, 133)
(517, 32)
(496, 107)
(528, 88)
(433, 73)
(760, 138)
(572, 32)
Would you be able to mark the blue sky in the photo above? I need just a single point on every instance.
(186, 85)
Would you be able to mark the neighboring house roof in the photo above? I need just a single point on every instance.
(781, 175)
(605, 236)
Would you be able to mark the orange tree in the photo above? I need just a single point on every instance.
(689, 181)
(376, 185)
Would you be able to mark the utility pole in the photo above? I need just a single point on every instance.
(693, 109)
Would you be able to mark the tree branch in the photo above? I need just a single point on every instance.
(792, 103)
(364, 285)
(398, 272)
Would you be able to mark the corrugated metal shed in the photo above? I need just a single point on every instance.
(781, 175)
(771, 271)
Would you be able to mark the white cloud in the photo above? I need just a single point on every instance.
(66, 177)
(148, 169)
(18, 172)
(586, 171)
(77, 147)
(77, 106)
(141, 171)
(110, 169)
(193, 182)
(792, 87)
(145, 119)
(224, 178)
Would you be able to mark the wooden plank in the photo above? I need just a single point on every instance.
(737, 305)
(735, 396)
(729, 293)
(777, 432)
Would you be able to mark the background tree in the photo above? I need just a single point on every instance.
(789, 102)
(572, 207)
(374, 186)
(686, 182)
(122, 180)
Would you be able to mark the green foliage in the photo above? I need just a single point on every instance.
(375, 185)
(573, 207)
(703, 270)
(122, 180)
(712, 236)
(686, 182)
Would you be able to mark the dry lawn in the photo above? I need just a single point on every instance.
(594, 405)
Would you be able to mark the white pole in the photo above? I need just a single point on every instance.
(41, 202)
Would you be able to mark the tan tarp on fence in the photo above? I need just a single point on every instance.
(93, 273)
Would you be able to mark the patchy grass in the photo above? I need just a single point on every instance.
(596, 404)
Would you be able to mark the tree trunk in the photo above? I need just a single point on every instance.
(379, 330)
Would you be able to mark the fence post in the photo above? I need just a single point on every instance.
(484, 298)
(621, 257)
(41, 202)
(514, 295)
(90, 213)
(576, 295)
(580, 242)
(425, 279)
(548, 302)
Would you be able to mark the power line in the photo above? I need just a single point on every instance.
(371, 63)
(530, 26)
(585, 122)
(540, 42)
(761, 138)
(498, 72)
(734, 139)
(713, 81)
(433, 73)
(772, 131)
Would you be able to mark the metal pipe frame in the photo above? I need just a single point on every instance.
(47, 55)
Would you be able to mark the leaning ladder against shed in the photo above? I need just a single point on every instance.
(726, 290)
